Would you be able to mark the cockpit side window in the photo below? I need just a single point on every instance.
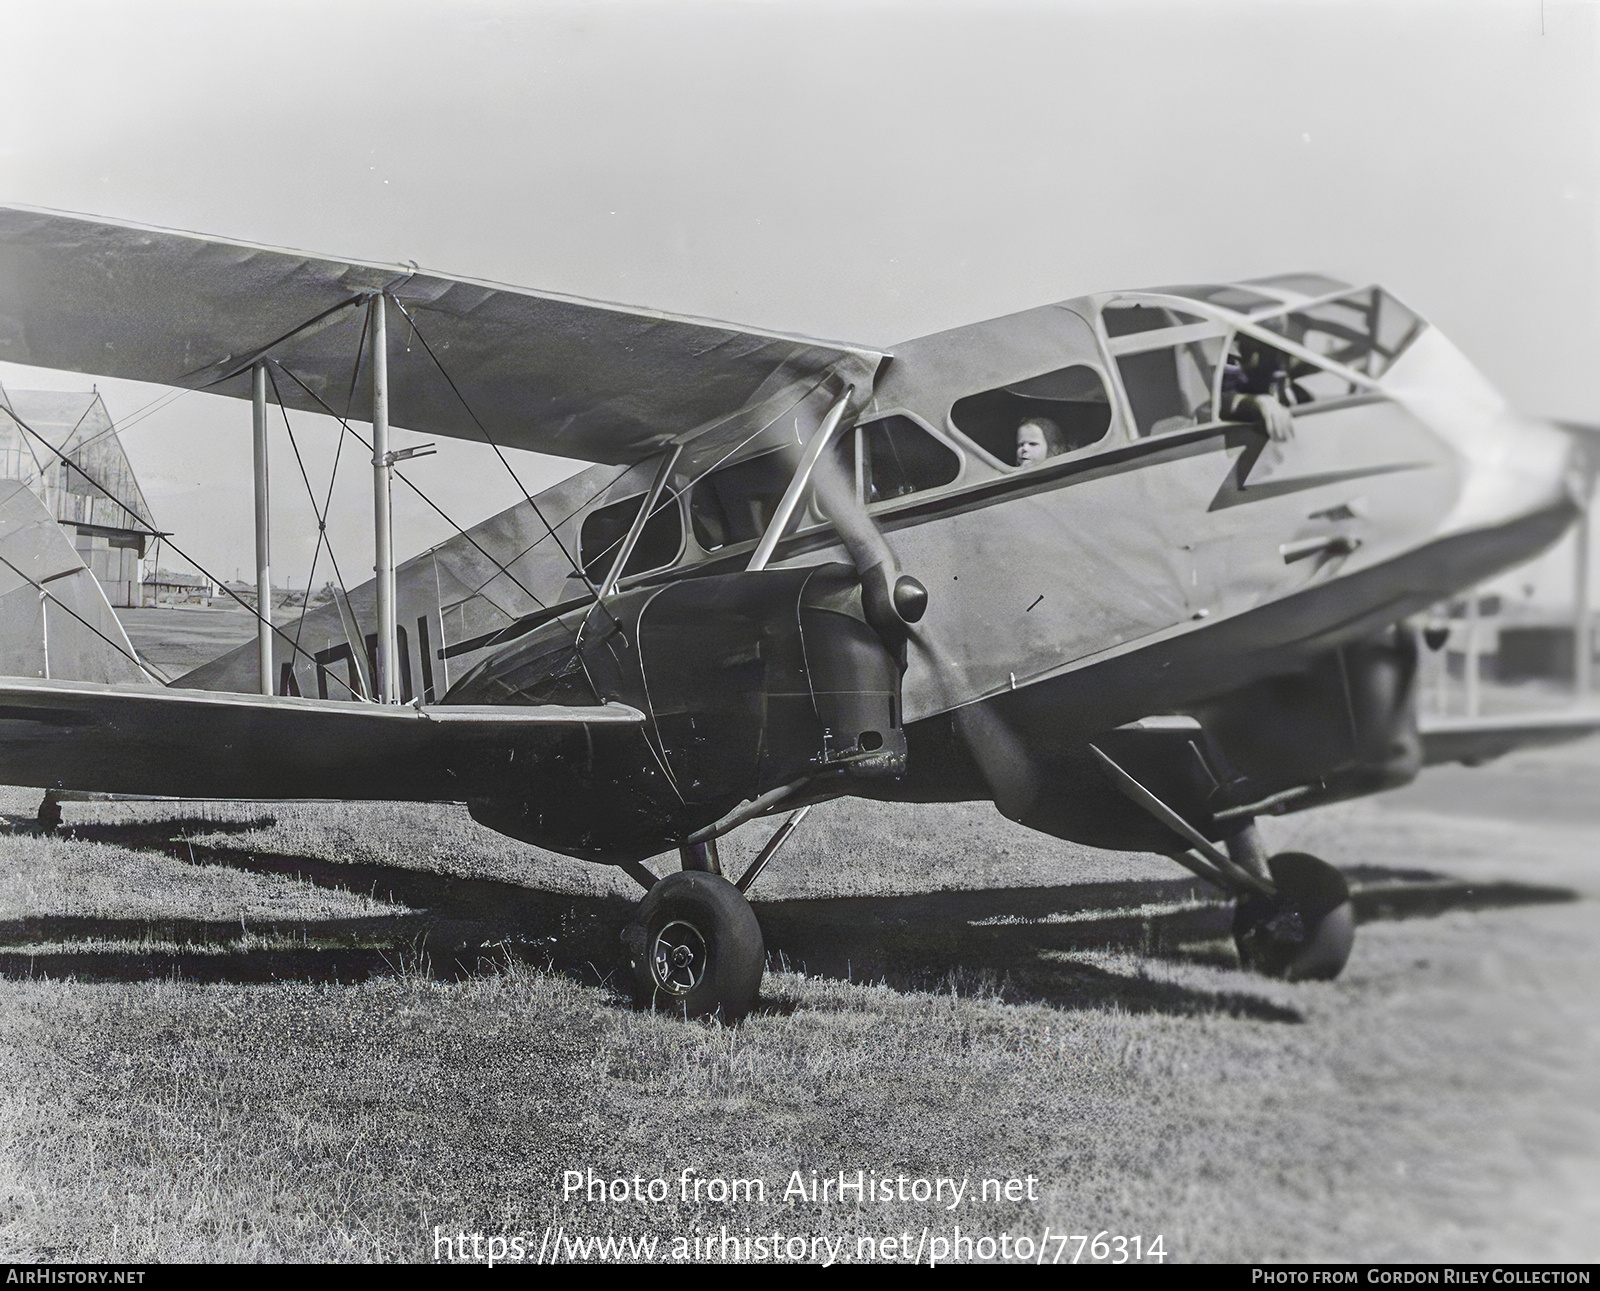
(1170, 387)
(899, 457)
(1365, 331)
(734, 504)
(1073, 398)
(604, 528)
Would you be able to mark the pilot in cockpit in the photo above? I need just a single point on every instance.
(1039, 438)
(1256, 387)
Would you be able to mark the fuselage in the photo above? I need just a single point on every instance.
(1169, 559)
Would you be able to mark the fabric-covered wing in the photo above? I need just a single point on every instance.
(1472, 740)
(202, 744)
(555, 374)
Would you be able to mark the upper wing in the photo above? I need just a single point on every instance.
(204, 744)
(555, 374)
(1472, 740)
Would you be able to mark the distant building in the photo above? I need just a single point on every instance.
(110, 539)
(176, 587)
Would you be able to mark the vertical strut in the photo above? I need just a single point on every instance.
(258, 412)
(1582, 631)
(386, 682)
(1470, 663)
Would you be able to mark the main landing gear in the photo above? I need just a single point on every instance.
(1305, 932)
(696, 948)
(1293, 918)
(694, 944)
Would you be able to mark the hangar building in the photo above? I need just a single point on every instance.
(110, 540)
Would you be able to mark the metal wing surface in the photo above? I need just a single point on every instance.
(554, 374)
(202, 744)
(1472, 740)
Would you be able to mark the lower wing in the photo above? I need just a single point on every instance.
(206, 744)
(1471, 740)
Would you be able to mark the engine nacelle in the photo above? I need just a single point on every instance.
(750, 681)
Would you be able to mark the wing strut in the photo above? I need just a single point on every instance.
(258, 425)
(382, 507)
(815, 448)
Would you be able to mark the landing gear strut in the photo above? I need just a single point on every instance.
(694, 943)
(1293, 917)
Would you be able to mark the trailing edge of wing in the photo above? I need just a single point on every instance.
(557, 374)
(1472, 740)
(136, 739)
(82, 694)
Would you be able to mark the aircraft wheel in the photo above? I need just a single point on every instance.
(696, 948)
(50, 813)
(1304, 935)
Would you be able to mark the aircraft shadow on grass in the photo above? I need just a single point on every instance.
(1015, 943)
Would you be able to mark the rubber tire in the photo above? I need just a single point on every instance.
(735, 950)
(1306, 934)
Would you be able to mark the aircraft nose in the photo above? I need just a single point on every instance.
(1583, 458)
(1516, 468)
(1511, 467)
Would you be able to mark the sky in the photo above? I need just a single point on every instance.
(869, 171)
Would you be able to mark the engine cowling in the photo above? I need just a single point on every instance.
(751, 681)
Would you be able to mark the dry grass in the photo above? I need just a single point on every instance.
(313, 1032)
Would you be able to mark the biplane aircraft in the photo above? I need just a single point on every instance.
(798, 569)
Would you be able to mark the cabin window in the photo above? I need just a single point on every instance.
(1074, 398)
(1169, 388)
(604, 529)
(899, 457)
(734, 504)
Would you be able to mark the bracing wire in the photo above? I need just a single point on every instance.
(166, 400)
(57, 601)
(489, 439)
(320, 513)
(357, 436)
(255, 612)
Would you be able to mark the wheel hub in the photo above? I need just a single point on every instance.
(1286, 925)
(678, 958)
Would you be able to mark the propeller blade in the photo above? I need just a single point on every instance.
(894, 603)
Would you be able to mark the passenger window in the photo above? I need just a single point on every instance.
(734, 504)
(603, 530)
(1170, 388)
(1073, 398)
(900, 457)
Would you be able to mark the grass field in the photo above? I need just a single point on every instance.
(318, 1032)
